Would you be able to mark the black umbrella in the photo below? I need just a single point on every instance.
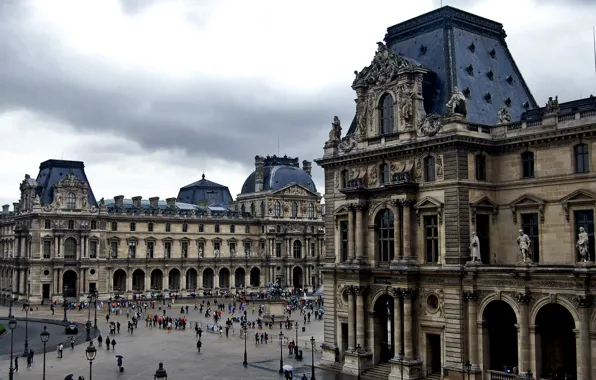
(69, 377)
(118, 356)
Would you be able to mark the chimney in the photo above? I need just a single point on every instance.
(171, 202)
(136, 201)
(119, 201)
(259, 173)
(5, 209)
(15, 207)
(307, 166)
(154, 202)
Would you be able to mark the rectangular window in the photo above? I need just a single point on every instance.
(480, 167)
(247, 229)
(168, 249)
(530, 227)
(201, 249)
(431, 237)
(48, 224)
(343, 233)
(114, 249)
(247, 247)
(201, 228)
(312, 249)
(232, 229)
(114, 226)
(132, 249)
(232, 248)
(585, 219)
(527, 164)
(216, 247)
(92, 249)
(582, 158)
(47, 249)
(150, 248)
(184, 249)
(217, 228)
(429, 169)
(277, 249)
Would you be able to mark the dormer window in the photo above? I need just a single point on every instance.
(150, 227)
(133, 227)
(71, 201)
(243, 209)
(386, 114)
(168, 227)
(527, 164)
(184, 227)
(114, 226)
(201, 228)
(582, 158)
(384, 174)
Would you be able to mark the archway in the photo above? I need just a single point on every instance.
(119, 284)
(69, 279)
(554, 330)
(224, 278)
(383, 328)
(297, 277)
(191, 279)
(239, 276)
(138, 280)
(156, 279)
(208, 278)
(174, 279)
(499, 336)
(255, 277)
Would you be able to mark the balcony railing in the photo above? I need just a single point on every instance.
(498, 375)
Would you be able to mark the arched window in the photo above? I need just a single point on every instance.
(429, 169)
(294, 209)
(93, 225)
(297, 249)
(71, 201)
(114, 226)
(527, 164)
(582, 158)
(70, 248)
(384, 174)
(386, 114)
(262, 208)
(277, 208)
(384, 227)
(232, 229)
(150, 227)
(253, 210)
(344, 178)
(311, 210)
(480, 167)
(133, 227)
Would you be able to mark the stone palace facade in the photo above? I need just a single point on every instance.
(460, 214)
(58, 241)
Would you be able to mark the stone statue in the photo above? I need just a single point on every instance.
(457, 103)
(475, 247)
(524, 243)
(552, 106)
(335, 132)
(406, 104)
(583, 245)
(504, 116)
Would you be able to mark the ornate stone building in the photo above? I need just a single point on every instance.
(59, 240)
(459, 224)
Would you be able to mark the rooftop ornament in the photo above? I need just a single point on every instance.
(470, 69)
(472, 47)
(510, 79)
(493, 53)
(488, 97)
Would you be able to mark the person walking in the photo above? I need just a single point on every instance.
(99, 340)
(72, 342)
(31, 353)
(60, 350)
(108, 342)
(29, 360)
(113, 344)
(199, 345)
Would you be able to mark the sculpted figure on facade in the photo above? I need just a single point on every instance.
(457, 103)
(583, 245)
(552, 106)
(429, 125)
(372, 177)
(335, 132)
(361, 110)
(503, 115)
(475, 247)
(406, 109)
(524, 243)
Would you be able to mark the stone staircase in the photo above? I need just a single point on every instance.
(435, 376)
(380, 371)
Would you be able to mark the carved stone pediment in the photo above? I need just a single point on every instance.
(429, 204)
(527, 202)
(295, 190)
(484, 203)
(71, 184)
(578, 197)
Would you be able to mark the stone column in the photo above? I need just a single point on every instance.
(359, 234)
(360, 292)
(524, 329)
(407, 227)
(583, 343)
(351, 233)
(472, 298)
(398, 330)
(351, 318)
(408, 296)
(397, 231)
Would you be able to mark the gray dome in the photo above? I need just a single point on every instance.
(280, 172)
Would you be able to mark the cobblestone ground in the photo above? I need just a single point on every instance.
(220, 357)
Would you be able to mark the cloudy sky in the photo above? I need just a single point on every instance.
(151, 93)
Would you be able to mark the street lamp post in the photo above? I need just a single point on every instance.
(91, 351)
(45, 336)
(160, 373)
(88, 324)
(296, 346)
(281, 356)
(468, 367)
(245, 328)
(12, 324)
(10, 295)
(312, 358)
(65, 320)
(26, 352)
(358, 348)
(95, 309)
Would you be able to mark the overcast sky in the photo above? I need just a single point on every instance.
(151, 93)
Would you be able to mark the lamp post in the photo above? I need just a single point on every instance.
(401, 364)
(26, 352)
(65, 320)
(95, 309)
(45, 336)
(160, 373)
(529, 375)
(281, 347)
(468, 366)
(245, 362)
(91, 351)
(10, 295)
(12, 324)
(88, 324)
(312, 358)
(296, 346)
(358, 348)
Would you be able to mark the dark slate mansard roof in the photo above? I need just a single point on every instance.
(468, 51)
(162, 208)
(280, 172)
(205, 190)
(52, 171)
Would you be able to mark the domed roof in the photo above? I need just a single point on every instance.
(280, 172)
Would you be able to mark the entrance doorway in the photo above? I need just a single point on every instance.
(433, 354)
(69, 279)
(383, 333)
(483, 233)
(556, 328)
(344, 339)
(499, 337)
(45, 292)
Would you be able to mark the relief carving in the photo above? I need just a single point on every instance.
(439, 166)
(373, 176)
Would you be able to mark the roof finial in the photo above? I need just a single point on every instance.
(203, 175)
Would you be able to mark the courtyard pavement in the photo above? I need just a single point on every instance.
(220, 357)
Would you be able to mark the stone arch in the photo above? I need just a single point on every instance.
(138, 280)
(70, 280)
(239, 277)
(498, 297)
(156, 279)
(224, 278)
(255, 276)
(380, 96)
(119, 278)
(191, 279)
(556, 331)
(174, 276)
(378, 207)
(559, 300)
(383, 324)
(298, 276)
(208, 278)
(374, 296)
(500, 343)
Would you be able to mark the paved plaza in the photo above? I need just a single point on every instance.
(220, 357)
